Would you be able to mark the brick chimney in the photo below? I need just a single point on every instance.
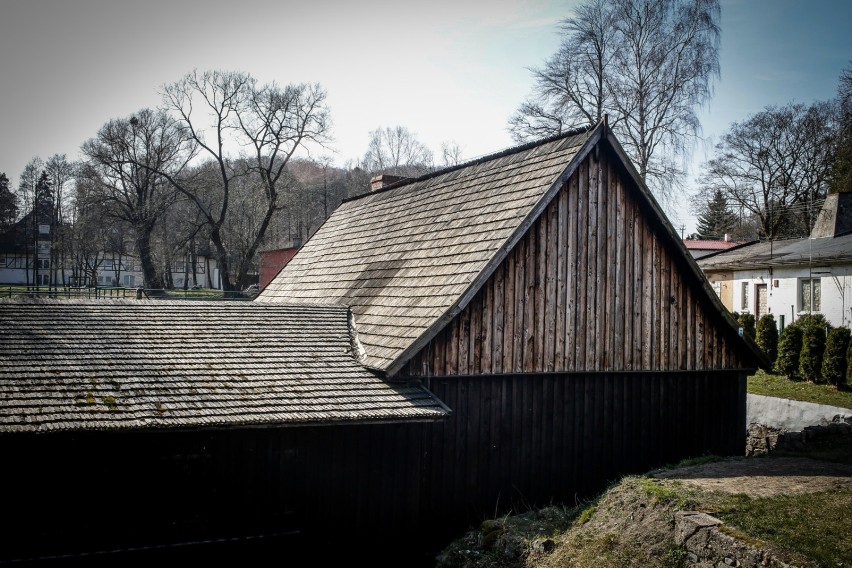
(384, 180)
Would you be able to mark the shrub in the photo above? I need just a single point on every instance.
(767, 336)
(813, 348)
(747, 323)
(805, 320)
(789, 349)
(834, 360)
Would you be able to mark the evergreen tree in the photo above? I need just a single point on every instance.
(716, 220)
(767, 336)
(834, 362)
(813, 349)
(8, 203)
(789, 349)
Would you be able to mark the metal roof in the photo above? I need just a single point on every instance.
(791, 252)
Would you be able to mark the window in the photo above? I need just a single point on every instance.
(108, 264)
(810, 294)
(44, 263)
(44, 229)
(129, 281)
(744, 303)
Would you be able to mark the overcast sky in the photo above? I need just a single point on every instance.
(447, 70)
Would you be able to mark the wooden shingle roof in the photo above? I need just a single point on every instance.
(138, 364)
(407, 258)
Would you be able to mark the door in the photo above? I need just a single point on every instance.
(761, 302)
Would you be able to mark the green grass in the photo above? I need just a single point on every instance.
(776, 385)
(817, 525)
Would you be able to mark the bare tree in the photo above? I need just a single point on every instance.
(842, 170)
(774, 167)
(451, 153)
(647, 64)
(60, 172)
(573, 88)
(273, 121)
(396, 150)
(127, 163)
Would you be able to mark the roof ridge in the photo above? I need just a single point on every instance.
(475, 161)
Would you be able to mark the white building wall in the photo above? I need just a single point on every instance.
(783, 298)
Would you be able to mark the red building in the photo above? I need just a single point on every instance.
(272, 261)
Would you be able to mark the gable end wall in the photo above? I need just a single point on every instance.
(591, 287)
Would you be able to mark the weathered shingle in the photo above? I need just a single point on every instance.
(135, 364)
(401, 258)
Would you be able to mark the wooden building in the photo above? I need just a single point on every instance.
(512, 332)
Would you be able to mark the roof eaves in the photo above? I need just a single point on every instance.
(594, 137)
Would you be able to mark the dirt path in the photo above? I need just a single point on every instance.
(765, 476)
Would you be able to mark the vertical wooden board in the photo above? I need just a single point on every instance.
(559, 363)
(531, 277)
(474, 343)
(452, 349)
(638, 288)
(539, 339)
(487, 328)
(578, 466)
(647, 297)
(675, 317)
(520, 304)
(665, 307)
(618, 244)
(580, 330)
(606, 427)
(549, 305)
(687, 337)
(603, 346)
(571, 284)
(472, 456)
(498, 303)
(610, 346)
(629, 282)
(439, 351)
(556, 451)
(509, 313)
(592, 327)
(535, 384)
(518, 433)
(700, 346)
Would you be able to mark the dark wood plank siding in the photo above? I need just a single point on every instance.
(592, 286)
(555, 436)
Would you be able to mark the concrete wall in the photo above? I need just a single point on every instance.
(791, 415)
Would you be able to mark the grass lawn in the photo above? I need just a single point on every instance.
(776, 385)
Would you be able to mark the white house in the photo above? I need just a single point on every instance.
(791, 277)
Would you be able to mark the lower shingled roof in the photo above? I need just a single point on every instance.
(108, 365)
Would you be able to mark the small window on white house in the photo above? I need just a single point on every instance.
(44, 229)
(810, 294)
(44, 263)
(108, 264)
(744, 303)
(129, 280)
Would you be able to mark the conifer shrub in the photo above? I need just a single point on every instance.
(767, 336)
(834, 361)
(813, 348)
(746, 321)
(789, 349)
